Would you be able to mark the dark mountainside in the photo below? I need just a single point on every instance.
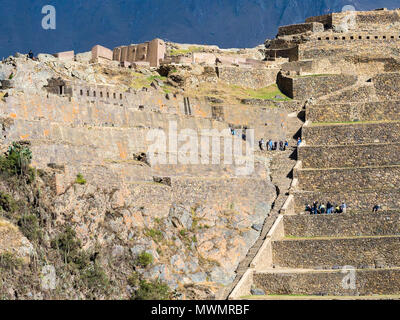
(227, 23)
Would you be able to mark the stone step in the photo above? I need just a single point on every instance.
(336, 225)
(330, 252)
(348, 178)
(351, 133)
(344, 282)
(346, 156)
(356, 200)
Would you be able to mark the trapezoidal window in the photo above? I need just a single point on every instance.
(343, 38)
(120, 96)
(94, 93)
(81, 92)
(376, 37)
(360, 37)
(101, 94)
(108, 95)
(88, 93)
(60, 89)
(114, 95)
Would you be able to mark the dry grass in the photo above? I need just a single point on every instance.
(233, 93)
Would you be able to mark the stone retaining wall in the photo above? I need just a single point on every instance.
(349, 156)
(355, 199)
(352, 133)
(248, 77)
(350, 224)
(365, 111)
(331, 252)
(314, 85)
(348, 178)
(300, 28)
(348, 48)
(368, 282)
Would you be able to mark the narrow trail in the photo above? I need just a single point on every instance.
(281, 167)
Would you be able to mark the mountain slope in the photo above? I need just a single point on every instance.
(227, 23)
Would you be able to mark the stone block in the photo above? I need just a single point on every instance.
(101, 52)
(65, 56)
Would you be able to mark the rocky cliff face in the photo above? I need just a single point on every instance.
(96, 220)
(227, 23)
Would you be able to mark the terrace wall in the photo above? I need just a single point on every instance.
(357, 133)
(349, 156)
(317, 253)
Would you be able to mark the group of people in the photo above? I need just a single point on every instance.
(273, 145)
(320, 208)
(235, 132)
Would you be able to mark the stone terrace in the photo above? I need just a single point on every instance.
(349, 152)
(352, 161)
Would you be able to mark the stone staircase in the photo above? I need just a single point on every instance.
(282, 163)
(353, 255)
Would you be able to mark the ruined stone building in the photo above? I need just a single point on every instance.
(152, 52)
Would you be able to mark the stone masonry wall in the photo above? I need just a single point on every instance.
(347, 48)
(334, 225)
(357, 133)
(248, 77)
(387, 85)
(349, 156)
(364, 111)
(363, 200)
(300, 28)
(317, 253)
(314, 85)
(348, 178)
(378, 281)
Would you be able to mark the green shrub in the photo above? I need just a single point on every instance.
(134, 279)
(152, 290)
(95, 278)
(145, 259)
(68, 244)
(156, 235)
(7, 203)
(80, 179)
(16, 161)
(9, 262)
(29, 225)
